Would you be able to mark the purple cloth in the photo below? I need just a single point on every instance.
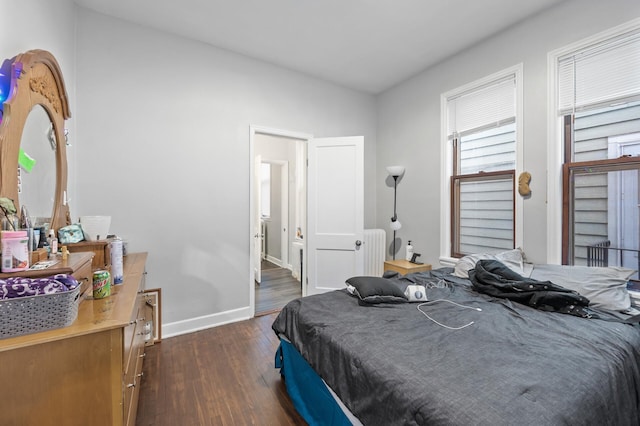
(22, 287)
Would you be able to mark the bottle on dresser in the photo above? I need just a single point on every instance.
(53, 241)
(409, 251)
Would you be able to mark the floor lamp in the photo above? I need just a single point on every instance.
(395, 172)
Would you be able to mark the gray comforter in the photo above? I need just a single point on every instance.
(514, 365)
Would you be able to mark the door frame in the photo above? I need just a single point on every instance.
(253, 131)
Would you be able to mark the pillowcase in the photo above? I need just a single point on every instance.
(375, 290)
(512, 259)
(606, 288)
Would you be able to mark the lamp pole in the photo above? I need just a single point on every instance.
(395, 172)
(395, 216)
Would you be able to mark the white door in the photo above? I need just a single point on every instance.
(335, 212)
(257, 225)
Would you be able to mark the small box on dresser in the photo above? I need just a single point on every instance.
(100, 249)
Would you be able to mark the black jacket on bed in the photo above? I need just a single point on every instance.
(495, 279)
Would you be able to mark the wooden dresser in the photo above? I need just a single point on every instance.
(84, 374)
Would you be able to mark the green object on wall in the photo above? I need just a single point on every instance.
(25, 161)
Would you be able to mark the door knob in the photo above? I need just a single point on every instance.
(358, 243)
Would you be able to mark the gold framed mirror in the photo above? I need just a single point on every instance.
(36, 80)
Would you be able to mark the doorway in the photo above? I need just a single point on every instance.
(275, 199)
(278, 217)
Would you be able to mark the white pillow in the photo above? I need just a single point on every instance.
(512, 259)
(606, 288)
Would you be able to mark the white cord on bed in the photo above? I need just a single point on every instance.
(449, 301)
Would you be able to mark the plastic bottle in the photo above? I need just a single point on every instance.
(53, 241)
(409, 251)
(15, 251)
(25, 224)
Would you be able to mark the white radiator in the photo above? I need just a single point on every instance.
(374, 246)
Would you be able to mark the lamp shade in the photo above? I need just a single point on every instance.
(395, 225)
(395, 170)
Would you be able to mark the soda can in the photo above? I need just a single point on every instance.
(101, 284)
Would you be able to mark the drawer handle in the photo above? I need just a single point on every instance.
(131, 322)
(131, 385)
(141, 374)
(143, 355)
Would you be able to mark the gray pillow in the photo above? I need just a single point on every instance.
(606, 288)
(376, 290)
(512, 259)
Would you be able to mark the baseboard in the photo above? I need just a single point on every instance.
(275, 261)
(207, 321)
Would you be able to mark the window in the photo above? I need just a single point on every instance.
(481, 123)
(599, 110)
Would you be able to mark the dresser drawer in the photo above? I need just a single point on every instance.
(131, 336)
(132, 390)
(84, 276)
(133, 358)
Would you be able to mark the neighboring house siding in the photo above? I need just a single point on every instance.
(486, 207)
(486, 210)
(591, 133)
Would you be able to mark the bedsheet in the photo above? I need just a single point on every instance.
(390, 364)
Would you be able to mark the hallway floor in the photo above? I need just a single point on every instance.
(276, 289)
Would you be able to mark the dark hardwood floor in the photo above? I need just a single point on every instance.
(219, 376)
(276, 289)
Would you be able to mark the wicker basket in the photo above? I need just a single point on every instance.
(31, 314)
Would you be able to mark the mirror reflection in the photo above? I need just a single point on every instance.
(37, 170)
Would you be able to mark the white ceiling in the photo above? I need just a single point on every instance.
(367, 45)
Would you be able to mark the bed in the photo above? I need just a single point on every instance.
(481, 361)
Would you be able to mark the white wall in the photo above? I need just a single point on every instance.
(163, 128)
(34, 24)
(409, 120)
(46, 25)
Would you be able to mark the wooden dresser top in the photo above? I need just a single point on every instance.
(94, 315)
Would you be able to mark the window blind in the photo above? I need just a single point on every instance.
(601, 74)
(491, 105)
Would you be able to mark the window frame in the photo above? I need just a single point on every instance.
(455, 200)
(596, 166)
(448, 156)
(558, 145)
